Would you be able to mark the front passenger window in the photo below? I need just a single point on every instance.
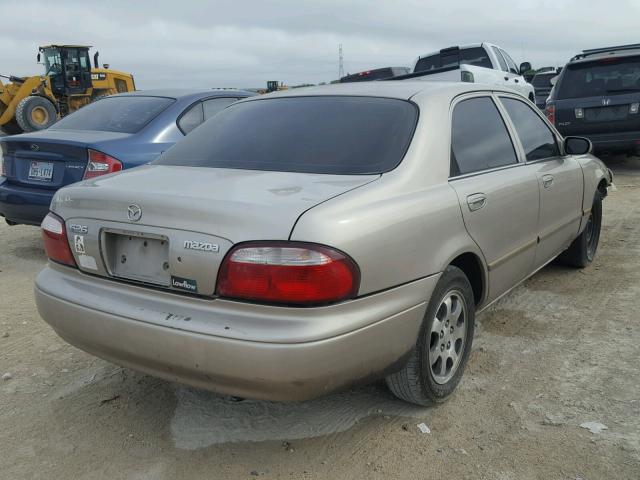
(479, 138)
(536, 138)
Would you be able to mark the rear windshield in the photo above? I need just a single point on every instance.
(452, 58)
(126, 114)
(335, 135)
(543, 80)
(608, 76)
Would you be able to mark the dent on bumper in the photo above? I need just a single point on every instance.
(327, 348)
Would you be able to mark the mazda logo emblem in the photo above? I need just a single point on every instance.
(606, 101)
(34, 147)
(134, 213)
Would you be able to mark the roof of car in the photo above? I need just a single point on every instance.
(401, 89)
(184, 92)
(607, 52)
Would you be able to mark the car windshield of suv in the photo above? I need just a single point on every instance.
(335, 135)
(452, 58)
(122, 114)
(608, 76)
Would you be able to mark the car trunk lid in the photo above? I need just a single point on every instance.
(50, 159)
(171, 226)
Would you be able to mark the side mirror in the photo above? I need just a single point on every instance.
(577, 146)
(524, 67)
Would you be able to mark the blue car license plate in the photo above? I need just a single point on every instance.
(42, 171)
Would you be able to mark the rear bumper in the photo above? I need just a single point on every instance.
(24, 204)
(612, 142)
(272, 353)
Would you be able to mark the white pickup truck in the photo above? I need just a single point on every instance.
(478, 63)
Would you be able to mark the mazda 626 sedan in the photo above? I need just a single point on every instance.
(301, 242)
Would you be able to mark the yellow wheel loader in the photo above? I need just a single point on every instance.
(34, 103)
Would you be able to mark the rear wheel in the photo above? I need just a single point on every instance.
(583, 249)
(440, 355)
(35, 113)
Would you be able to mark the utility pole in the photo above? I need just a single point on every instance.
(340, 62)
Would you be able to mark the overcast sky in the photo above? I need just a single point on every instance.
(193, 43)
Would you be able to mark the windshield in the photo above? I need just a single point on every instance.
(52, 63)
(123, 114)
(603, 77)
(469, 56)
(334, 135)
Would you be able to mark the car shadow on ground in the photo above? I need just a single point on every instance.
(202, 419)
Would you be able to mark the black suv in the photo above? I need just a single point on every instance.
(597, 95)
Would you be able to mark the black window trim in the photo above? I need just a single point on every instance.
(517, 147)
(520, 148)
(202, 100)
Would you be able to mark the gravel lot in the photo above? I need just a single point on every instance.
(559, 351)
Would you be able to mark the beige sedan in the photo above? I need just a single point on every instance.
(302, 242)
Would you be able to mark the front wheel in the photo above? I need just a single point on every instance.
(583, 249)
(440, 355)
(35, 113)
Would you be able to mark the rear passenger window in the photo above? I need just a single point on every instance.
(191, 118)
(479, 138)
(536, 138)
(215, 105)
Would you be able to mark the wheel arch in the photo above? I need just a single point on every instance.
(602, 187)
(474, 268)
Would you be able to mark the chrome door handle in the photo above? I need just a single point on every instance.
(547, 181)
(476, 201)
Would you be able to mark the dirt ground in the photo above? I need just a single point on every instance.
(559, 351)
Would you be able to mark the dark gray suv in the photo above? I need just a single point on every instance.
(597, 95)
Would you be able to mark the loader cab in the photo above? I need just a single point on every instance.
(68, 67)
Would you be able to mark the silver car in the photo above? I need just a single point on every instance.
(302, 242)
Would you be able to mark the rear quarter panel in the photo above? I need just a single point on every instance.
(395, 237)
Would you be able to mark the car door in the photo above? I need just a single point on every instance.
(513, 79)
(559, 179)
(498, 194)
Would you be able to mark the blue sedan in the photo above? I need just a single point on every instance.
(115, 133)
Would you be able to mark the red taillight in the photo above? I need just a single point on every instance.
(56, 244)
(291, 273)
(550, 112)
(100, 164)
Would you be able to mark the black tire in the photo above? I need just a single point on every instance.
(583, 249)
(35, 113)
(11, 128)
(416, 382)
